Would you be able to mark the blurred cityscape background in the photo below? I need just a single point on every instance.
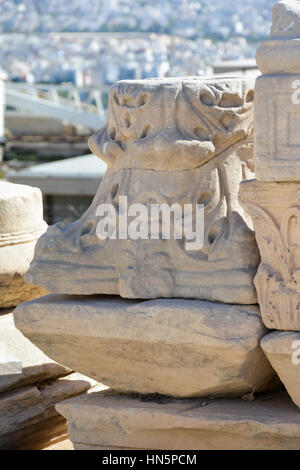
(58, 59)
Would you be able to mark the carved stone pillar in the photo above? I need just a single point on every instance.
(273, 201)
(277, 98)
(275, 212)
(274, 207)
(21, 223)
(184, 141)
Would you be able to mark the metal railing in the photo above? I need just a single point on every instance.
(86, 106)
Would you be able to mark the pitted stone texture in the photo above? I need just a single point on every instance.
(181, 348)
(173, 124)
(105, 420)
(22, 363)
(184, 141)
(283, 351)
(275, 211)
(21, 223)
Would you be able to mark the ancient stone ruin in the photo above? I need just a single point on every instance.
(166, 141)
(272, 200)
(21, 224)
(176, 334)
(30, 383)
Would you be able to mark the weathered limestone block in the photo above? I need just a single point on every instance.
(277, 122)
(177, 347)
(21, 223)
(22, 363)
(28, 414)
(185, 141)
(106, 420)
(275, 211)
(283, 351)
(277, 103)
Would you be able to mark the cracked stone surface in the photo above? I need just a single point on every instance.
(106, 420)
(173, 347)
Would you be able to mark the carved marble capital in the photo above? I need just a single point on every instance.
(173, 124)
(275, 211)
(184, 141)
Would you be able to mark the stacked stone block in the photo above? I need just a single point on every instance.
(273, 199)
(30, 383)
(167, 329)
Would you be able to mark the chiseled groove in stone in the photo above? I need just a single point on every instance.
(276, 113)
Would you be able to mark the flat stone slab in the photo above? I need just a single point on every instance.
(175, 347)
(28, 414)
(283, 351)
(106, 420)
(22, 363)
